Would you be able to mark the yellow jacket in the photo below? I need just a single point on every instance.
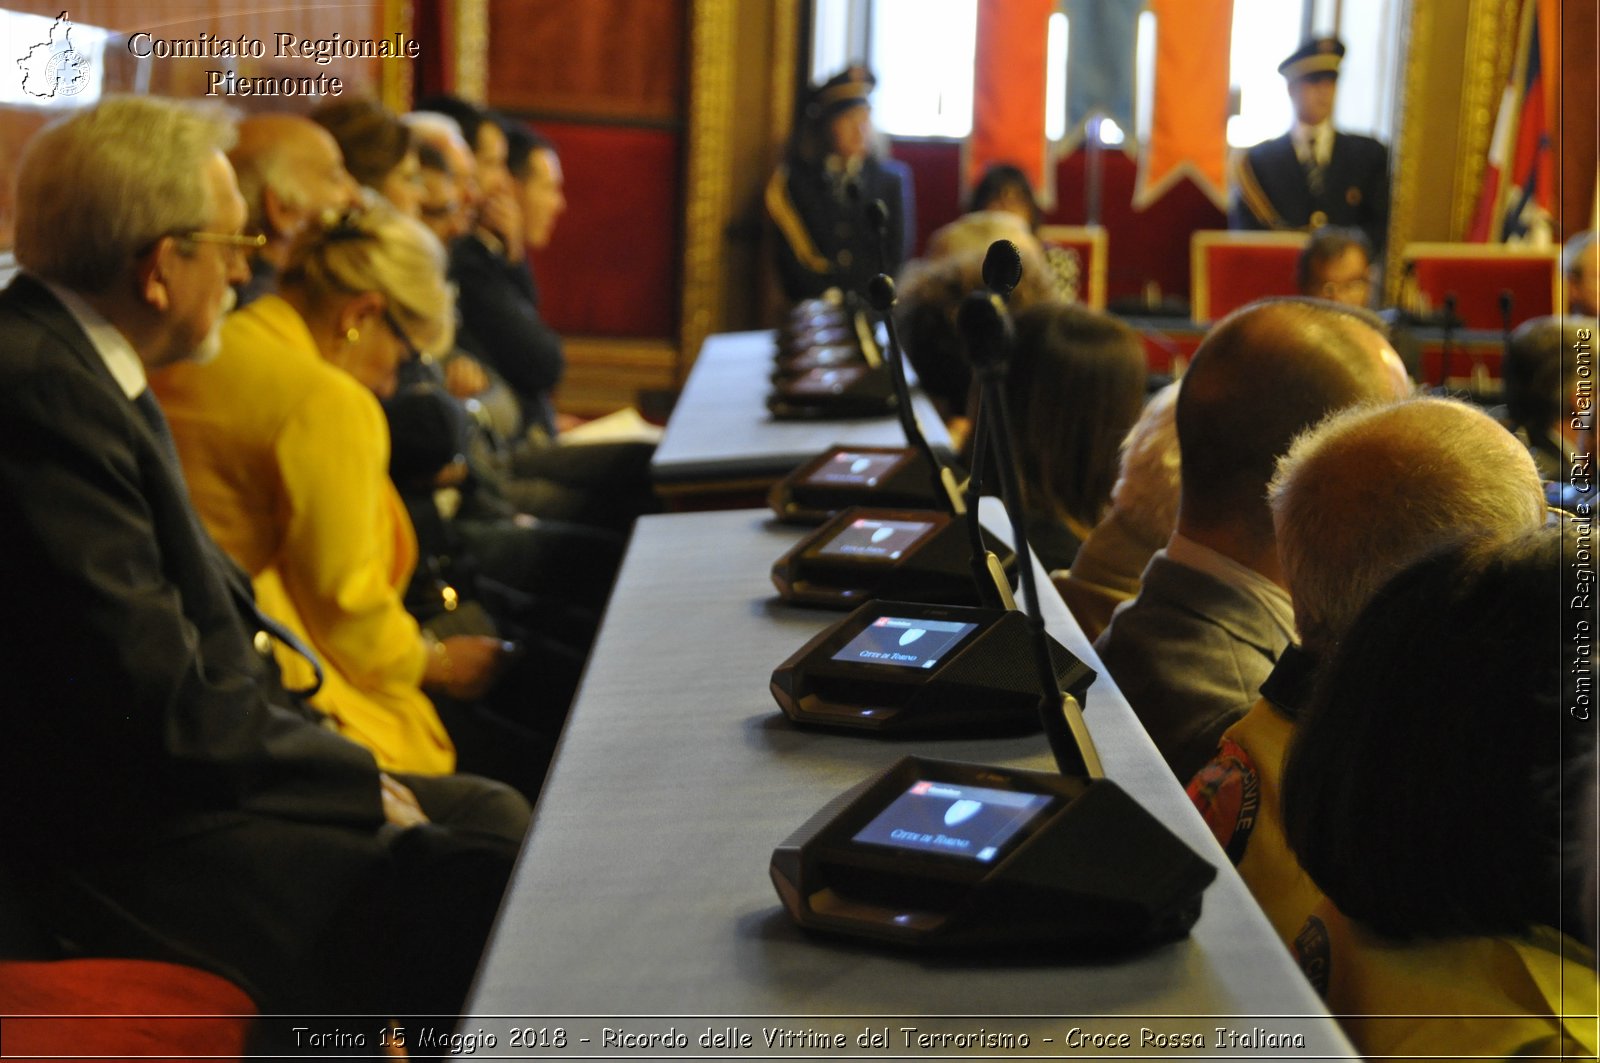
(1238, 794)
(287, 461)
(1483, 997)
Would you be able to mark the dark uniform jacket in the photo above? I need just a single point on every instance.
(824, 240)
(1271, 191)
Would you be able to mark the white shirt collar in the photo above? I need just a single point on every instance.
(1316, 140)
(108, 342)
(1273, 598)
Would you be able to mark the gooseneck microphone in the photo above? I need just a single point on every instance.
(881, 297)
(986, 327)
(1447, 343)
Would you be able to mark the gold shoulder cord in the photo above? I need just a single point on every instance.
(789, 224)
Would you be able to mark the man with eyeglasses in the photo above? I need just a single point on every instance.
(1336, 265)
(165, 797)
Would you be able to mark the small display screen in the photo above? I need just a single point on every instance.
(826, 381)
(852, 468)
(903, 642)
(972, 822)
(866, 539)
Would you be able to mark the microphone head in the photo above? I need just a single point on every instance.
(986, 327)
(878, 217)
(852, 190)
(880, 293)
(1002, 267)
(1505, 303)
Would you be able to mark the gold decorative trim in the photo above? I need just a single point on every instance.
(471, 26)
(785, 47)
(1404, 189)
(790, 227)
(706, 208)
(1251, 193)
(1492, 34)
(395, 75)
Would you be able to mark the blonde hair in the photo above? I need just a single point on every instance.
(1371, 489)
(378, 249)
(98, 187)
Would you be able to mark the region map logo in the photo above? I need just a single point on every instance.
(53, 67)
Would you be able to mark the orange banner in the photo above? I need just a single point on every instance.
(1189, 116)
(1008, 91)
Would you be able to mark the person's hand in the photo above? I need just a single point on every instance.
(502, 216)
(464, 666)
(464, 377)
(400, 805)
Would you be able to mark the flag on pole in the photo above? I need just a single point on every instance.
(1101, 45)
(1189, 116)
(1518, 195)
(1008, 91)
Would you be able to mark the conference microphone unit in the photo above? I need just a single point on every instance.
(939, 855)
(842, 477)
(969, 858)
(911, 668)
(865, 552)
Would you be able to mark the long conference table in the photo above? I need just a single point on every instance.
(721, 440)
(641, 923)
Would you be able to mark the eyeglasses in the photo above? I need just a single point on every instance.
(239, 245)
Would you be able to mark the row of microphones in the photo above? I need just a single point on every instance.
(949, 856)
(1450, 321)
(896, 532)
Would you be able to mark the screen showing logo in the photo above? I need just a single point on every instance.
(868, 539)
(848, 468)
(973, 822)
(826, 381)
(904, 643)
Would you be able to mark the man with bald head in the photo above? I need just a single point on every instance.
(291, 174)
(1356, 500)
(1213, 614)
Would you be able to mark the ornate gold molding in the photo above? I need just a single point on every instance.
(784, 55)
(1492, 27)
(708, 192)
(470, 25)
(395, 76)
(1409, 145)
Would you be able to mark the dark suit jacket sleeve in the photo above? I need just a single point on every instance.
(132, 694)
(501, 320)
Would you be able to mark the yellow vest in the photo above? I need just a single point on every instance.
(1493, 997)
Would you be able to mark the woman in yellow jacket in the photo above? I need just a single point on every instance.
(1424, 794)
(286, 452)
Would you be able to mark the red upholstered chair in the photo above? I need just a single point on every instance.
(120, 1009)
(1088, 242)
(1476, 274)
(1229, 269)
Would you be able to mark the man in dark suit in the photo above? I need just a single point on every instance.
(1312, 176)
(165, 797)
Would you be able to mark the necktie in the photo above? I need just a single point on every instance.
(243, 601)
(1314, 169)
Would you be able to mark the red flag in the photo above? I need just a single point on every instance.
(1008, 89)
(1189, 118)
(1519, 181)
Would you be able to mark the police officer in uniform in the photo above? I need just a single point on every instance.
(1313, 176)
(817, 198)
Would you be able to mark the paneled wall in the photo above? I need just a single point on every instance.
(605, 80)
(187, 20)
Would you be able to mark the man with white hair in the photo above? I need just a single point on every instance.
(1354, 501)
(165, 797)
(291, 173)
